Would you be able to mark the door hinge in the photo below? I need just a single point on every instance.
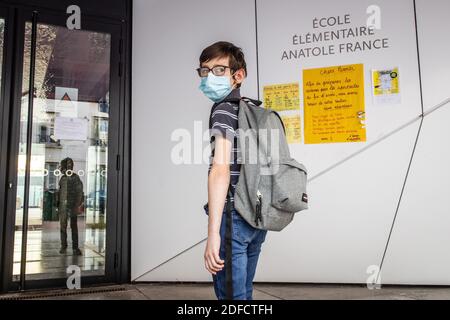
(118, 162)
(120, 46)
(116, 260)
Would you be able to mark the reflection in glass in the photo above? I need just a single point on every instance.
(68, 175)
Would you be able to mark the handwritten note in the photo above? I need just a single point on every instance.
(334, 104)
(281, 97)
(293, 130)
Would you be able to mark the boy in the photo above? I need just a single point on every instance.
(222, 71)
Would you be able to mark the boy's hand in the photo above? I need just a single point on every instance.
(213, 263)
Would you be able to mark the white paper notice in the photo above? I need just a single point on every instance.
(71, 128)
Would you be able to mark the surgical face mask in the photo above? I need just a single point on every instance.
(215, 88)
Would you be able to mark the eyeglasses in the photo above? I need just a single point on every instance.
(216, 70)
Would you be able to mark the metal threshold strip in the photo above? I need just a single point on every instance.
(60, 293)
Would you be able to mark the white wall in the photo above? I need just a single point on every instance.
(418, 250)
(167, 200)
(354, 187)
(434, 41)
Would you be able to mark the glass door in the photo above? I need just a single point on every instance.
(64, 204)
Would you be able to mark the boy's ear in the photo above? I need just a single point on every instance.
(239, 76)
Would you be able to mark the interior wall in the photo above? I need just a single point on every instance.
(356, 189)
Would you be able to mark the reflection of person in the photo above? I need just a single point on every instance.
(70, 200)
(222, 70)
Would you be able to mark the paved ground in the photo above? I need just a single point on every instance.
(262, 292)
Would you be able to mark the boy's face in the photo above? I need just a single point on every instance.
(235, 78)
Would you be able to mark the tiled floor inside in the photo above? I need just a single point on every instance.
(154, 291)
(43, 244)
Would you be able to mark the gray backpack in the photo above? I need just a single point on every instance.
(272, 185)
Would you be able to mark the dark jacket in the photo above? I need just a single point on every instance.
(70, 195)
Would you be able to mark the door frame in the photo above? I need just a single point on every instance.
(5, 102)
(117, 264)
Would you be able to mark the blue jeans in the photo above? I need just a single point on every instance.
(246, 247)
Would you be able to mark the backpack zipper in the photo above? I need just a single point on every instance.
(258, 207)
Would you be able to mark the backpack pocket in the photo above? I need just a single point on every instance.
(289, 187)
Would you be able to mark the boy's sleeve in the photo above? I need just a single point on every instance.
(224, 121)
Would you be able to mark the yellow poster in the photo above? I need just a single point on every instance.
(281, 97)
(292, 126)
(334, 104)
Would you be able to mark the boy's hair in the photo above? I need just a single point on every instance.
(223, 49)
(66, 163)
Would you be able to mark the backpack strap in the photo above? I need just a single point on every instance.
(236, 101)
(255, 102)
(228, 248)
(281, 120)
(247, 100)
